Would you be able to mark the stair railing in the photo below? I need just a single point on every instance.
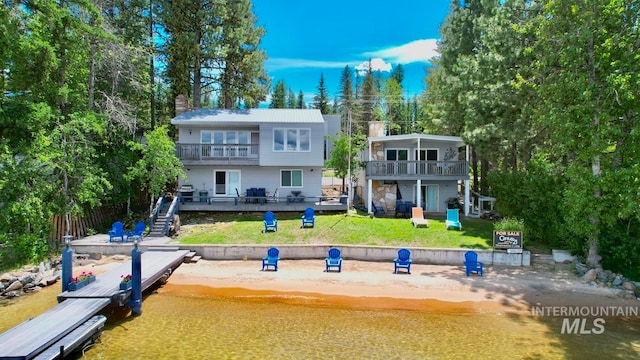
(156, 211)
(173, 209)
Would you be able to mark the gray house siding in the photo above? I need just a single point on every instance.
(202, 178)
(313, 157)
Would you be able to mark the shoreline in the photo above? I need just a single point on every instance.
(373, 285)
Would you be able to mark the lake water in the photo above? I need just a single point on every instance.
(193, 322)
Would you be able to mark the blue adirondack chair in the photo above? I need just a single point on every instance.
(377, 209)
(403, 261)
(273, 255)
(472, 264)
(117, 231)
(333, 260)
(309, 218)
(137, 231)
(270, 222)
(453, 220)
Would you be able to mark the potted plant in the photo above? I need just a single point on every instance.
(125, 283)
(82, 280)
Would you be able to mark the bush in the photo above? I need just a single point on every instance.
(620, 252)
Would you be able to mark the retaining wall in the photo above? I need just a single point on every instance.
(299, 252)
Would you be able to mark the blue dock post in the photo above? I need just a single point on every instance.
(67, 263)
(136, 279)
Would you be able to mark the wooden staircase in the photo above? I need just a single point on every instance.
(158, 228)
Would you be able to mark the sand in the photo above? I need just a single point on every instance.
(373, 284)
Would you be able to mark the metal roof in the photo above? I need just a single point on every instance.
(249, 116)
(416, 137)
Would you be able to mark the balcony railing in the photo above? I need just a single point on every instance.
(216, 151)
(413, 169)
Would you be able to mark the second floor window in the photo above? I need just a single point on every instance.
(291, 140)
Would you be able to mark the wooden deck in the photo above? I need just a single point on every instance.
(36, 335)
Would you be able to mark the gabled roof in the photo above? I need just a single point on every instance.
(249, 116)
(416, 137)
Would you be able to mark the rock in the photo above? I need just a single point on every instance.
(95, 256)
(26, 279)
(581, 268)
(617, 281)
(16, 285)
(119, 257)
(51, 280)
(602, 275)
(12, 294)
(628, 285)
(589, 276)
(1, 287)
(7, 278)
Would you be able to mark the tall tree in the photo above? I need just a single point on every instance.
(300, 103)
(242, 78)
(279, 96)
(589, 48)
(158, 167)
(321, 99)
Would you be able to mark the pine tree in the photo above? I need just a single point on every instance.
(321, 100)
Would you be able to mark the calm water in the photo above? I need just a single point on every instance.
(188, 322)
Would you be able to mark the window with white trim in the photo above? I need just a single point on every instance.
(291, 139)
(290, 178)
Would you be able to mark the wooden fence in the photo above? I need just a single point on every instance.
(93, 219)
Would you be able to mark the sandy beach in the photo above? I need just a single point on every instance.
(374, 285)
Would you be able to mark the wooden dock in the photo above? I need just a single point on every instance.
(75, 308)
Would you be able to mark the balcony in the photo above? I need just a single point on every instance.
(218, 154)
(414, 170)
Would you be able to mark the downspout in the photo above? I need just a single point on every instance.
(419, 181)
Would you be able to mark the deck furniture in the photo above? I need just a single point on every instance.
(270, 222)
(272, 258)
(472, 264)
(333, 260)
(403, 261)
(137, 232)
(309, 218)
(117, 231)
(377, 209)
(417, 217)
(453, 220)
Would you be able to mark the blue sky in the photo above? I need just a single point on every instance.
(307, 37)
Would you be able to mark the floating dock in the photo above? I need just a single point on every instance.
(74, 321)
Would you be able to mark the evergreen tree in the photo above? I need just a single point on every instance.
(279, 96)
(321, 99)
(300, 103)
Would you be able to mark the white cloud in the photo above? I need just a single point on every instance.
(376, 64)
(416, 51)
(285, 63)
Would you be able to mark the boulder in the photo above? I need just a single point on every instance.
(617, 281)
(590, 275)
(16, 285)
(628, 285)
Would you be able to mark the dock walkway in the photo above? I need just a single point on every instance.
(36, 335)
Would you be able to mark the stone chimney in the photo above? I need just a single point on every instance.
(376, 128)
(182, 104)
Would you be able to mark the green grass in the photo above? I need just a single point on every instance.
(352, 229)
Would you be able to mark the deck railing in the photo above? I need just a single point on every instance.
(418, 168)
(216, 151)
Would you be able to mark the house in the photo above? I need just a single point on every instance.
(237, 160)
(426, 170)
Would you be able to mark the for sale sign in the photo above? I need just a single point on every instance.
(507, 239)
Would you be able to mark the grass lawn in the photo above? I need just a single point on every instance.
(352, 229)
